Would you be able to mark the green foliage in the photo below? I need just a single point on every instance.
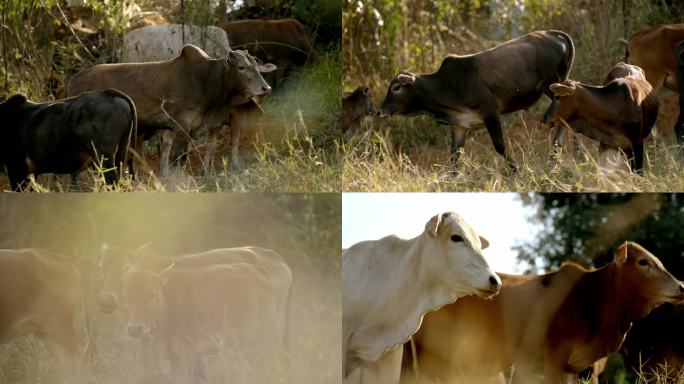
(589, 227)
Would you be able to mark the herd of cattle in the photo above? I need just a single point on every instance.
(172, 79)
(473, 89)
(181, 309)
(430, 309)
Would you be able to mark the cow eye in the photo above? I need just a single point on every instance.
(241, 67)
(396, 88)
(643, 262)
(456, 238)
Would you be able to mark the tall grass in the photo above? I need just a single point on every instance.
(375, 161)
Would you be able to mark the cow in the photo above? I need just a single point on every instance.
(39, 294)
(188, 93)
(654, 49)
(422, 274)
(356, 105)
(545, 328)
(478, 88)
(185, 313)
(654, 346)
(619, 115)
(66, 136)
(163, 42)
(282, 42)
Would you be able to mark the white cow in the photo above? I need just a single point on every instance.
(389, 284)
(164, 42)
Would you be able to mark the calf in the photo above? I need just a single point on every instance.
(181, 312)
(655, 50)
(467, 90)
(619, 115)
(545, 328)
(39, 294)
(355, 106)
(66, 136)
(391, 283)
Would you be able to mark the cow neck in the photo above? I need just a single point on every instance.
(432, 91)
(422, 297)
(219, 89)
(606, 307)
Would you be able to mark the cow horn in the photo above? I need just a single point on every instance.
(406, 78)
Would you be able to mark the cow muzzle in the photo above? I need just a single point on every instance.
(106, 302)
(138, 330)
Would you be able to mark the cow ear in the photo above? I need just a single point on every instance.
(265, 68)
(621, 254)
(562, 89)
(406, 79)
(484, 242)
(366, 91)
(432, 226)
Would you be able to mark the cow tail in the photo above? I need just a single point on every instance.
(569, 59)
(626, 54)
(132, 139)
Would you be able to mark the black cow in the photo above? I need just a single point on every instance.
(67, 135)
(476, 88)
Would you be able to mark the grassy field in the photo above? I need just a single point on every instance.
(412, 153)
(382, 159)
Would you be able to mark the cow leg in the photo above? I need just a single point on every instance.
(165, 143)
(458, 136)
(494, 128)
(212, 143)
(389, 366)
(638, 159)
(235, 128)
(64, 345)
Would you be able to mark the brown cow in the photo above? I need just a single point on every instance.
(355, 105)
(654, 50)
(186, 313)
(39, 293)
(545, 328)
(190, 92)
(476, 89)
(619, 115)
(282, 42)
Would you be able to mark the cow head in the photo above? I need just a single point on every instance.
(142, 292)
(246, 71)
(360, 102)
(621, 70)
(564, 105)
(453, 256)
(400, 95)
(114, 261)
(642, 280)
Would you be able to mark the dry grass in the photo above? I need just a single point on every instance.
(373, 162)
